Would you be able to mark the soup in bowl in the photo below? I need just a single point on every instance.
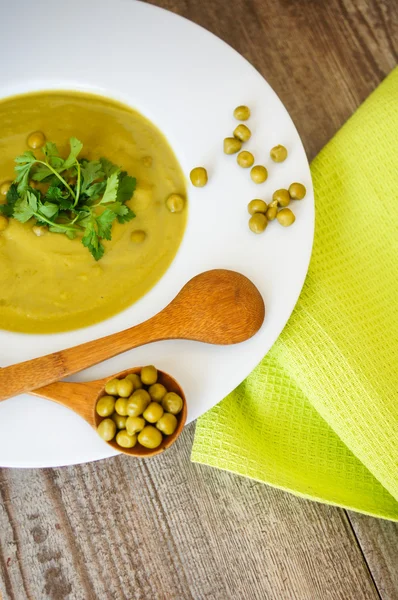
(49, 282)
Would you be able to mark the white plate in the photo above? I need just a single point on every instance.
(187, 82)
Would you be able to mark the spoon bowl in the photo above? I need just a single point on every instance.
(172, 386)
(83, 398)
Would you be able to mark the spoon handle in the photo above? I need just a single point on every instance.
(77, 396)
(38, 372)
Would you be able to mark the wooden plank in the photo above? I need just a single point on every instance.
(165, 528)
(379, 542)
(322, 58)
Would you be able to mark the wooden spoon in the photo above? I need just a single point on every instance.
(216, 307)
(83, 397)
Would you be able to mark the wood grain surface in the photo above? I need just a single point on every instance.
(168, 529)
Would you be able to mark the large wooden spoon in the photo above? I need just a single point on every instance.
(216, 307)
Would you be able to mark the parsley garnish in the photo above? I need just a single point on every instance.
(76, 196)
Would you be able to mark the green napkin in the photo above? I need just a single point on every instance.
(319, 415)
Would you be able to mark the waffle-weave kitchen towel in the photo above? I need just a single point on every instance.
(319, 415)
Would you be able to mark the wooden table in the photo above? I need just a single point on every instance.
(168, 529)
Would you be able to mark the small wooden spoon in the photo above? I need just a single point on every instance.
(216, 307)
(83, 397)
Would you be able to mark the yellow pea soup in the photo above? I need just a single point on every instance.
(49, 283)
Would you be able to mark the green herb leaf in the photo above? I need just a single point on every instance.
(75, 148)
(26, 158)
(95, 190)
(54, 193)
(49, 210)
(118, 208)
(127, 216)
(91, 241)
(108, 167)
(104, 224)
(42, 172)
(53, 158)
(126, 187)
(70, 234)
(110, 193)
(12, 197)
(25, 207)
(84, 218)
(65, 204)
(124, 214)
(23, 167)
(59, 229)
(91, 170)
(71, 208)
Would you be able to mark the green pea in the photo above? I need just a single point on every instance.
(137, 403)
(278, 153)
(39, 230)
(175, 203)
(135, 425)
(105, 406)
(124, 388)
(297, 191)
(257, 206)
(242, 133)
(107, 429)
(119, 420)
(259, 174)
(124, 440)
(157, 392)
(286, 217)
(35, 140)
(271, 213)
(258, 223)
(198, 176)
(242, 113)
(149, 375)
(172, 403)
(282, 197)
(4, 187)
(232, 145)
(167, 424)
(153, 412)
(111, 387)
(121, 407)
(150, 437)
(245, 159)
(137, 383)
